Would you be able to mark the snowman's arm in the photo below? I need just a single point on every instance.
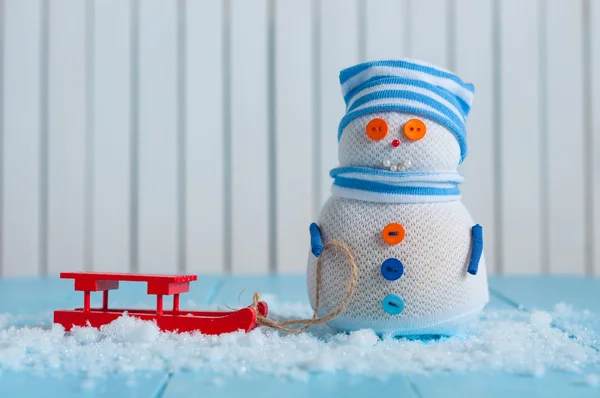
(476, 248)
(316, 243)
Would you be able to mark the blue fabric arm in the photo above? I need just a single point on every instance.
(476, 249)
(316, 244)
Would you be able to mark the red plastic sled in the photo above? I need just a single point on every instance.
(175, 320)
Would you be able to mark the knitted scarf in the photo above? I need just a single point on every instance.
(383, 186)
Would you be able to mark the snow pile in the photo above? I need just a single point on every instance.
(500, 341)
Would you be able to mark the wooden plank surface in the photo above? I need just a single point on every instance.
(386, 33)
(291, 289)
(20, 224)
(157, 135)
(58, 293)
(54, 293)
(544, 201)
(536, 293)
(204, 156)
(594, 66)
(553, 384)
(474, 58)
(293, 133)
(564, 134)
(323, 385)
(284, 289)
(546, 292)
(249, 137)
(429, 31)
(338, 30)
(111, 129)
(520, 142)
(532, 292)
(23, 385)
(67, 136)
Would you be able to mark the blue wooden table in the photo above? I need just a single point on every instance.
(24, 298)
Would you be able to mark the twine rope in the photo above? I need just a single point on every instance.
(283, 326)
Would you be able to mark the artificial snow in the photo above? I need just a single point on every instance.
(511, 341)
(540, 319)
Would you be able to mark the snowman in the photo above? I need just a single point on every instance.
(396, 205)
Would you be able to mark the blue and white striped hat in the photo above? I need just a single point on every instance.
(410, 86)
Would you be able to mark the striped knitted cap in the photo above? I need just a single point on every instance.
(409, 86)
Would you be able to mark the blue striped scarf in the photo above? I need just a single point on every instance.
(383, 186)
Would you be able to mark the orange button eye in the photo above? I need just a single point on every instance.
(414, 129)
(377, 129)
(393, 234)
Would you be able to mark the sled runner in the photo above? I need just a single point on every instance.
(175, 320)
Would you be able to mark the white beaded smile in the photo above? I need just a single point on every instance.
(400, 167)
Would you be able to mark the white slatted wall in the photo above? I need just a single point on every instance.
(186, 136)
(519, 125)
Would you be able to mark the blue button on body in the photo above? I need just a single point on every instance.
(392, 269)
(393, 304)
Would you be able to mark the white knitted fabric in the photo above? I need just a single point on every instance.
(439, 295)
(412, 183)
(437, 151)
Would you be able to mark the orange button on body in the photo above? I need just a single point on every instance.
(377, 129)
(415, 129)
(393, 234)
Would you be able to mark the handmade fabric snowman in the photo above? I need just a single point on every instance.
(395, 203)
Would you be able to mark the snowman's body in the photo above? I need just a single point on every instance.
(391, 179)
(439, 295)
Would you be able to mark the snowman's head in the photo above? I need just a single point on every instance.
(398, 141)
(403, 115)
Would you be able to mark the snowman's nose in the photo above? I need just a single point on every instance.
(395, 143)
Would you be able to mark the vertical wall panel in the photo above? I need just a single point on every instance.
(204, 129)
(66, 136)
(249, 136)
(111, 132)
(21, 147)
(157, 137)
(474, 63)
(293, 131)
(428, 31)
(2, 14)
(339, 50)
(564, 91)
(385, 29)
(594, 67)
(520, 137)
(543, 137)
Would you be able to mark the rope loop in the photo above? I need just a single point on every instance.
(283, 326)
